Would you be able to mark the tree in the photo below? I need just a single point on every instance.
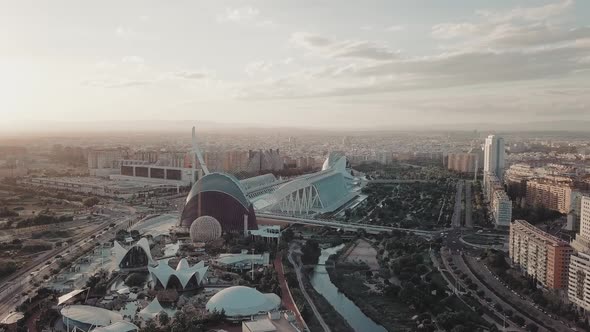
(532, 327)
(518, 320)
(163, 318)
(311, 252)
(135, 280)
(90, 202)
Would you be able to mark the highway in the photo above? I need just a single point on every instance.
(22, 280)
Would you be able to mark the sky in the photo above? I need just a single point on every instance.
(302, 63)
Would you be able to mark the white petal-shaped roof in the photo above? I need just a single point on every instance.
(152, 310)
(86, 314)
(184, 272)
(120, 252)
(243, 301)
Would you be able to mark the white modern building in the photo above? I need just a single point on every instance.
(86, 317)
(136, 256)
(184, 277)
(240, 302)
(321, 192)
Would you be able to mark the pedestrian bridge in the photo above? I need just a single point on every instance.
(373, 229)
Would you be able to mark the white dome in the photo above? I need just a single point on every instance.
(243, 301)
(205, 229)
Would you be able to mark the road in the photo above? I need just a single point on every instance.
(456, 219)
(493, 288)
(297, 267)
(524, 306)
(468, 205)
(22, 281)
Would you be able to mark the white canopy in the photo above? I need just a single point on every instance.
(94, 316)
(152, 310)
(12, 318)
(66, 297)
(243, 301)
(184, 272)
(120, 252)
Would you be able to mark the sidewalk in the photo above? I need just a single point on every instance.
(286, 298)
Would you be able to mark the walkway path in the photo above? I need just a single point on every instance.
(287, 299)
(297, 266)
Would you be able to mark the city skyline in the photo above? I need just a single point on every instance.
(389, 64)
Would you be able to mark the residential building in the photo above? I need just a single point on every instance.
(539, 254)
(579, 280)
(579, 270)
(501, 208)
(462, 162)
(500, 203)
(550, 194)
(105, 162)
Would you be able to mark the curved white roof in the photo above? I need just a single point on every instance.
(94, 316)
(120, 252)
(184, 272)
(243, 301)
(122, 326)
(336, 160)
(152, 310)
(258, 181)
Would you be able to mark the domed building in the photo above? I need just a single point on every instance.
(242, 302)
(205, 229)
(222, 197)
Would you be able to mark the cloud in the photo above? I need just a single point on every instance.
(125, 32)
(113, 83)
(191, 75)
(245, 15)
(133, 59)
(455, 30)
(395, 28)
(328, 47)
(540, 13)
(254, 68)
(240, 14)
(442, 71)
(516, 28)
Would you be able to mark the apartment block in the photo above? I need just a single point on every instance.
(539, 254)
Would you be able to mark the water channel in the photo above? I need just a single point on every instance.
(320, 280)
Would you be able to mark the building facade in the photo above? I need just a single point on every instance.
(552, 195)
(501, 208)
(539, 254)
(494, 156)
(579, 271)
(462, 162)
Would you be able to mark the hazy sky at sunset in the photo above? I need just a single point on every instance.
(338, 63)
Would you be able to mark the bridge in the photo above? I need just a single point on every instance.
(373, 229)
